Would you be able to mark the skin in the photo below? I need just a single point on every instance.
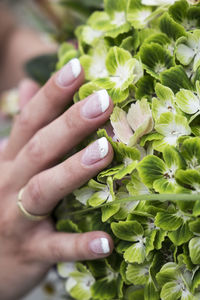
(29, 249)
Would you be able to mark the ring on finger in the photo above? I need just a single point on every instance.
(27, 214)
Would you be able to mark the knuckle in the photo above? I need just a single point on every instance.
(24, 120)
(34, 149)
(34, 192)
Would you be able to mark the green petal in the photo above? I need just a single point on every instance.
(155, 59)
(172, 127)
(189, 178)
(138, 14)
(64, 269)
(127, 230)
(122, 129)
(138, 273)
(171, 291)
(87, 90)
(151, 291)
(190, 150)
(173, 159)
(188, 101)
(99, 198)
(145, 87)
(181, 235)
(176, 79)
(168, 221)
(104, 289)
(195, 226)
(109, 211)
(67, 226)
(165, 185)
(169, 272)
(112, 6)
(184, 54)
(194, 248)
(135, 253)
(136, 187)
(172, 29)
(117, 57)
(126, 170)
(150, 169)
(140, 119)
(159, 239)
(84, 194)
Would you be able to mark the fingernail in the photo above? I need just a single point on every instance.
(95, 152)
(69, 73)
(100, 246)
(96, 104)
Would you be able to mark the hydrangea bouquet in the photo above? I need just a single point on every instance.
(146, 54)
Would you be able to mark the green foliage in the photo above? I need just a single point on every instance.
(146, 55)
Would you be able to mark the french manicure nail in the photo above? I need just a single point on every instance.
(95, 152)
(100, 246)
(96, 104)
(69, 73)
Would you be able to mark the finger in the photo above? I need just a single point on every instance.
(45, 106)
(62, 247)
(44, 191)
(27, 89)
(63, 134)
(3, 145)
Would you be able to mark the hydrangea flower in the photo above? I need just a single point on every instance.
(145, 53)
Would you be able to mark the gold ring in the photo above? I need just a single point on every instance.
(25, 213)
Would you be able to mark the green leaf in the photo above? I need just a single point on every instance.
(41, 68)
(127, 230)
(194, 249)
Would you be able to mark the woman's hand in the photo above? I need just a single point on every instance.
(42, 135)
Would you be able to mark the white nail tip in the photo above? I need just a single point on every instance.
(105, 245)
(76, 67)
(103, 99)
(103, 147)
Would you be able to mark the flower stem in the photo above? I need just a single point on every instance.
(147, 197)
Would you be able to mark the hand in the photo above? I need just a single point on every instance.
(43, 134)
